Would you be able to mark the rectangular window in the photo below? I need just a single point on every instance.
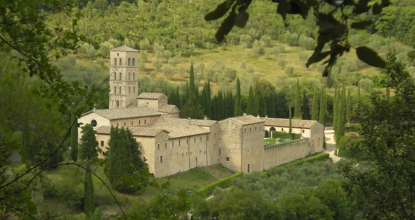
(194, 140)
(102, 143)
(161, 159)
(165, 145)
(303, 131)
(220, 151)
(214, 135)
(158, 146)
(207, 137)
(200, 139)
(172, 143)
(187, 141)
(227, 158)
(179, 142)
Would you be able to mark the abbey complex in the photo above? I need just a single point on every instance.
(171, 144)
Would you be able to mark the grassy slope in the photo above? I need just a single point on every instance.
(232, 56)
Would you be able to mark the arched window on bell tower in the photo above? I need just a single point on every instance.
(129, 60)
(133, 61)
(115, 76)
(120, 62)
(115, 61)
(120, 76)
(119, 90)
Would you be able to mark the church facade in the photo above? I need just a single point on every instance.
(170, 144)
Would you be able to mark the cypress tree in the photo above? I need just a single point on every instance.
(89, 196)
(257, 98)
(89, 144)
(388, 92)
(26, 151)
(358, 91)
(340, 123)
(315, 107)
(250, 110)
(139, 164)
(323, 106)
(113, 162)
(344, 101)
(262, 105)
(297, 101)
(238, 106)
(221, 106)
(335, 112)
(231, 105)
(192, 108)
(74, 135)
(208, 108)
(290, 129)
(348, 107)
(306, 112)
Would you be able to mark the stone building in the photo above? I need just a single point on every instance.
(170, 144)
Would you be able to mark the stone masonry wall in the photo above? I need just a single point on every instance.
(285, 152)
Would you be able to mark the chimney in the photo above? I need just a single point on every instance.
(244, 113)
(205, 118)
(266, 116)
(189, 120)
(257, 116)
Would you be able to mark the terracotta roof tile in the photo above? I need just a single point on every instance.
(178, 127)
(283, 122)
(136, 131)
(119, 113)
(246, 119)
(169, 109)
(148, 95)
(124, 49)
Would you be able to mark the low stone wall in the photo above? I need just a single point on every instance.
(278, 154)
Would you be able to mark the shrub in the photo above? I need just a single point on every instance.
(258, 47)
(345, 148)
(285, 135)
(223, 183)
(245, 41)
(310, 159)
(266, 40)
(289, 70)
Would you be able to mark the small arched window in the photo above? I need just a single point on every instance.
(115, 76)
(115, 61)
(115, 90)
(120, 76)
(119, 90)
(145, 121)
(129, 60)
(120, 62)
(133, 61)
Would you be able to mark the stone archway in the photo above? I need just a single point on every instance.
(270, 132)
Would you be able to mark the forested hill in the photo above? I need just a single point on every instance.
(178, 23)
(174, 23)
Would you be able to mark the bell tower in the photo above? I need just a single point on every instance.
(123, 77)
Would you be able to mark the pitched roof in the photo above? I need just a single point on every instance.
(124, 49)
(246, 119)
(200, 122)
(150, 95)
(283, 122)
(178, 127)
(119, 113)
(169, 109)
(136, 131)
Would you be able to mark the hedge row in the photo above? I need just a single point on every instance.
(223, 183)
(285, 135)
(318, 157)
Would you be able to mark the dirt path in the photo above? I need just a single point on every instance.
(331, 145)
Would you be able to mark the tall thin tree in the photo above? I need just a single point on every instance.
(297, 101)
(315, 107)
